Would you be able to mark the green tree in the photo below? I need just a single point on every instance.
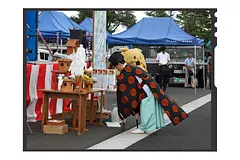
(81, 16)
(171, 13)
(196, 23)
(160, 13)
(114, 19)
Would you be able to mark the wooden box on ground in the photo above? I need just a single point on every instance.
(63, 65)
(56, 122)
(72, 46)
(67, 85)
(55, 129)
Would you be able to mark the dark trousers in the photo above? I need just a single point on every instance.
(162, 81)
(163, 77)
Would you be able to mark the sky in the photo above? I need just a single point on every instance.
(139, 15)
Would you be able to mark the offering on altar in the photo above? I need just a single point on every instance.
(76, 79)
(80, 80)
(81, 90)
(64, 65)
(88, 86)
(78, 61)
(87, 78)
(72, 46)
(88, 82)
(67, 85)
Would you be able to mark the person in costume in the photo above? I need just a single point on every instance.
(138, 92)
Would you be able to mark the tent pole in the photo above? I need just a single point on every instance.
(57, 40)
(107, 56)
(61, 46)
(45, 43)
(93, 40)
(195, 89)
(203, 70)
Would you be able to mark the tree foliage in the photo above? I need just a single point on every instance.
(160, 13)
(114, 19)
(81, 16)
(196, 23)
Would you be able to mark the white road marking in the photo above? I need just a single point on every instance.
(126, 139)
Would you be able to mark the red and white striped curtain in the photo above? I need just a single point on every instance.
(40, 76)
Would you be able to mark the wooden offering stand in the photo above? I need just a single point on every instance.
(64, 65)
(72, 46)
(88, 86)
(82, 86)
(76, 90)
(78, 85)
(67, 85)
(78, 107)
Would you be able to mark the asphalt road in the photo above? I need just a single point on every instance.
(97, 134)
(193, 134)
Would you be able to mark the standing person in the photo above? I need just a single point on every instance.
(190, 66)
(162, 59)
(138, 92)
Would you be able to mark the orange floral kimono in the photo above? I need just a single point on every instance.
(130, 93)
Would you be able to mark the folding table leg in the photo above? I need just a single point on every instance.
(29, 128)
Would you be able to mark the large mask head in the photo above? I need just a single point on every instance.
(135, 57)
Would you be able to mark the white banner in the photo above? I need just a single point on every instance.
(100, 54)
(106, 79)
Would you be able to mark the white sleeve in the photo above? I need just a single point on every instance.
(139, 79)
(168, 57)
(147, 90)
(145, 87)
(185, 62)
(194, 61)
(157, 58)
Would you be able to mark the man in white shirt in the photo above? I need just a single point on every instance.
(189, 70)
(162, 59)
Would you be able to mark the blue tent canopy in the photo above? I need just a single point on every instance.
(51, 22)
(88, 24)
(154, 31)
(200, 42)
